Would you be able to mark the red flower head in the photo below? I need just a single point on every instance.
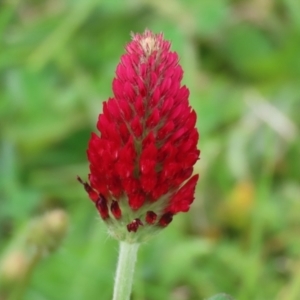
(141, 164)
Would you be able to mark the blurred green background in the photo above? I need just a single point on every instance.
(242, 65)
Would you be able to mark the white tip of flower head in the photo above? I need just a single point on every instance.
(149, 42)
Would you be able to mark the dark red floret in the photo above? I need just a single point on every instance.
(92, 194)
(115, 209)
(102, 207)
(166, 219)
(134, 225)
(151, 217)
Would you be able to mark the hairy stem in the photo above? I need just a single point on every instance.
(125, 270)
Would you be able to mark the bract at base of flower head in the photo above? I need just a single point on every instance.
(141, 164)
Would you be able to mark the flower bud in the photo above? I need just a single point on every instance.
(14, 266)
(47, 231)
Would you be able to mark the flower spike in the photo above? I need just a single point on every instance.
(141, 161)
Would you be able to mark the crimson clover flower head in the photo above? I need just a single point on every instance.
(141, 163)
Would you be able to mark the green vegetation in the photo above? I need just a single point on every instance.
(242, 65)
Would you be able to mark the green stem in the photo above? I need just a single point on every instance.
(125, 269)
